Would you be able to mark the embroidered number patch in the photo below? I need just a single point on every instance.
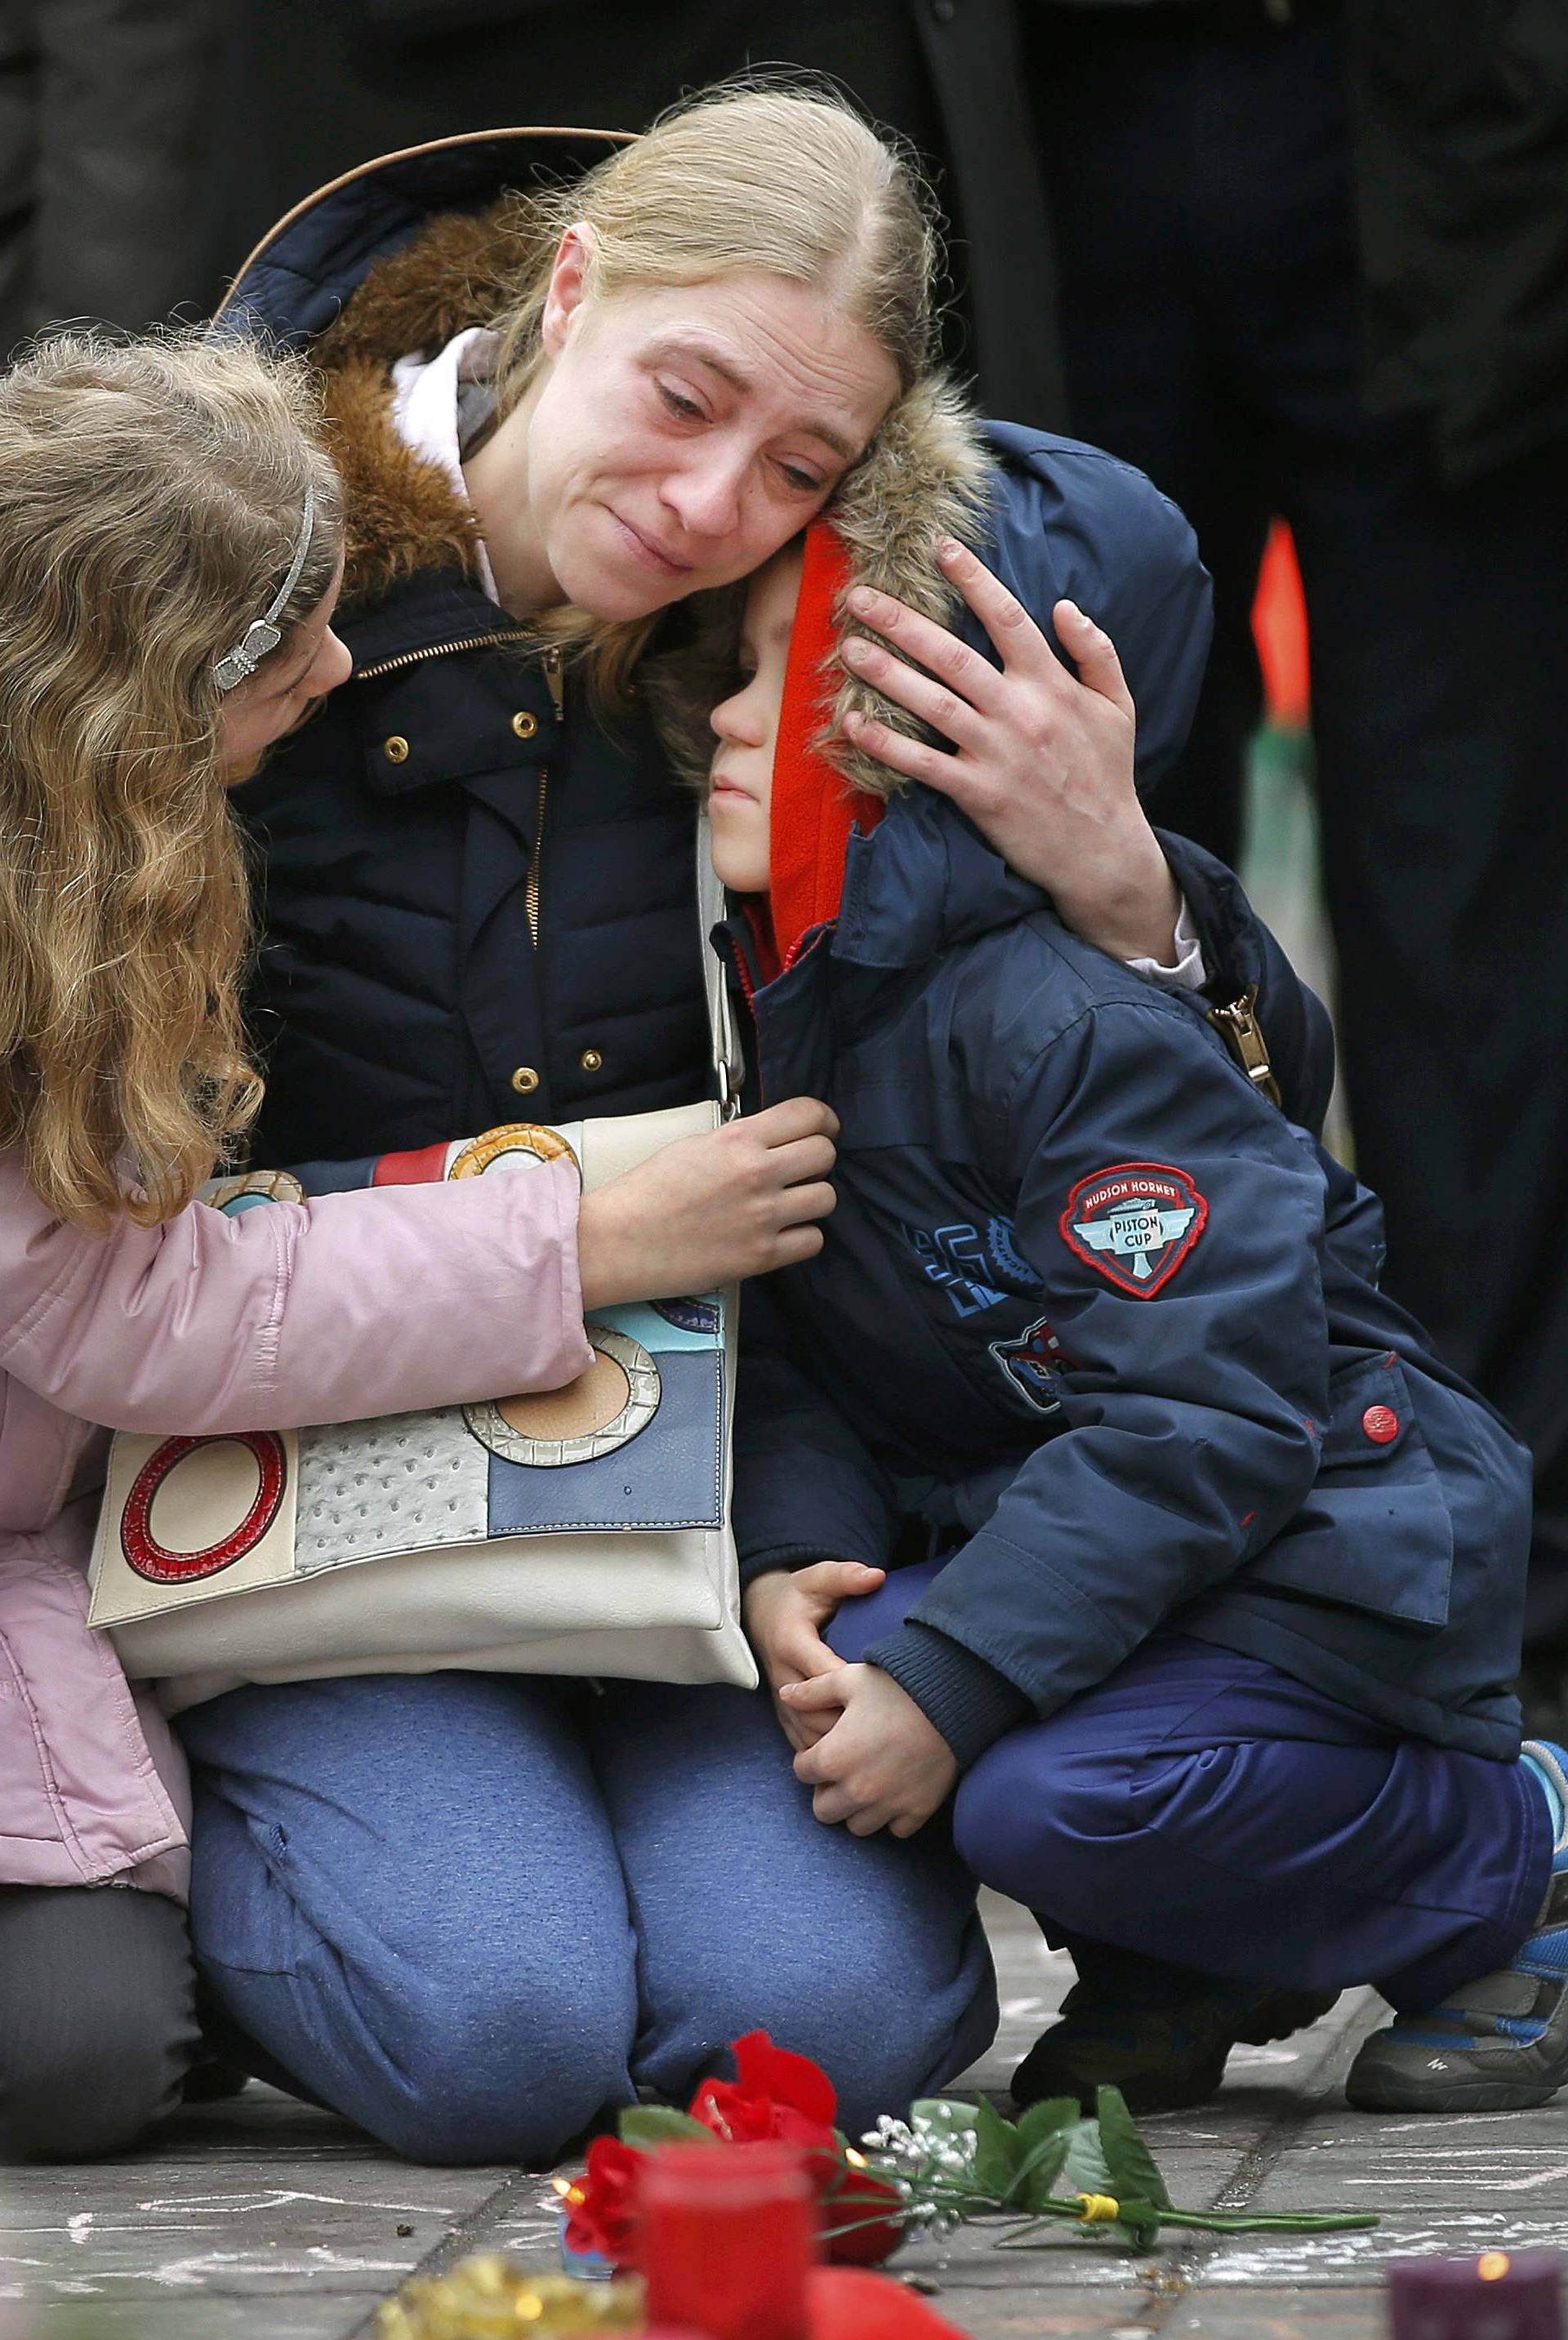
(1136, 1222)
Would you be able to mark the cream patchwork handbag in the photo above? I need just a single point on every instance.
(582, 1531)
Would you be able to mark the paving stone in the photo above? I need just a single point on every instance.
(260, 2219)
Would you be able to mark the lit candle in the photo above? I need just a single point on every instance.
(727, 2234)
(1500, 2295)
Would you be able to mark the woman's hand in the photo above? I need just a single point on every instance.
(1043, 766)
(737, 1202)
(882, 1764)
(784, 1612)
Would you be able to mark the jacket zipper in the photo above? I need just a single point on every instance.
(445, 649)
(1238, 1026)
(552, 676)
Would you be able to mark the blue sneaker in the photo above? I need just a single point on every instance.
(1501, 2042)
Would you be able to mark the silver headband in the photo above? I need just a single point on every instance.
(266, 633)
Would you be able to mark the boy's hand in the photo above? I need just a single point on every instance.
(784, 1613)
(882, 1764)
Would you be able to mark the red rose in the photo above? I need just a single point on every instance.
(601, 2206)
(853, 2204)
(773, 2095)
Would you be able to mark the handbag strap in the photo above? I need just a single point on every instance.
(729, 1063)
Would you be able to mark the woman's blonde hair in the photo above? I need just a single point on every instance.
(780, 178)
(151, 498)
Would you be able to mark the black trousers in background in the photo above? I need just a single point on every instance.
(97, 2018)
(1199, 179)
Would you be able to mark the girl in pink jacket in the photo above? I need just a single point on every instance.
(170, 557)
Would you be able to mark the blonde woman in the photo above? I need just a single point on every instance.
(474, 1914)
(170, 551)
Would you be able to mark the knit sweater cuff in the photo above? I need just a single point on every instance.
(967, 1701)
(790, 1556)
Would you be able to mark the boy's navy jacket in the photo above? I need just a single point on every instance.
(1109, 1322)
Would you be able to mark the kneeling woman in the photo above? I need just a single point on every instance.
(171, 547)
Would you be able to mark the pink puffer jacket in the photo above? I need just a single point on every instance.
(357, 1304)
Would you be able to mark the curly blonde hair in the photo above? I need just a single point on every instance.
(151, 497)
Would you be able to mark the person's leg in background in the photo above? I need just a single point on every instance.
(1201, 180)
(1440, 650)
(1121, 104)
(865, 1953)
(105, 109)
(97, 2020)
(405, 1892)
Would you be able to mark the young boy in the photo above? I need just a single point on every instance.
(1224, 1569)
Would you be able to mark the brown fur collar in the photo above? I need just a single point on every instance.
(402, 514)
(926, 477)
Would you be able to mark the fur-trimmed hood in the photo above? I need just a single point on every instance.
(402, 514)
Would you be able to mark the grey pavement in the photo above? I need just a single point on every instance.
(260, 2219)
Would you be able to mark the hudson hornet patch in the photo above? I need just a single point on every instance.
(1135, 1223)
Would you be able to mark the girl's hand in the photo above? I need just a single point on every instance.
(784, 1613)
(738, 1201)
(1043, 766)
(882, 1764)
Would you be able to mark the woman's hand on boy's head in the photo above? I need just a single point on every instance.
(784, 1612)
(883, 1764)
(1043, 766)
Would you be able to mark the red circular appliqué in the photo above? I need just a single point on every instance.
(1381, 1424)
(152, 1560)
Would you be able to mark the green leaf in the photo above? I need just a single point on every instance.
(647, 2125)
(998, 2151)
(1134, 2171)
(1054, 2117)
(1084, 2170)
(1037, 2176)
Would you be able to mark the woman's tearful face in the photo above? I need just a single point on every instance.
(683, 433)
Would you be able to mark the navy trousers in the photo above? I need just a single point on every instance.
(1199, 1808)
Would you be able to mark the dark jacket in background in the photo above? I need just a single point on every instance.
(1462, 158)
(315, 86)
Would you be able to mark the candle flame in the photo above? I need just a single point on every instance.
(568, 2191)
(856, 2160)
(1493, 2265)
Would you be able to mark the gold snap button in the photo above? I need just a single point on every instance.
(592, 1061)
(525, 1080)
(395, 750)
(525, 725)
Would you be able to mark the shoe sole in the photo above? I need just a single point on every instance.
(1392, 2094)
